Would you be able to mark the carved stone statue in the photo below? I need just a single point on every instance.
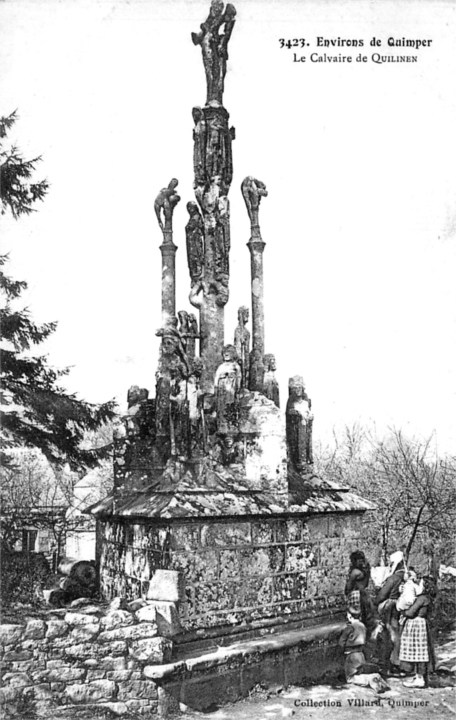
(193, 334)
(173, 363)
(214, 47)
(253, 190)
(299, 419)
(242, 344)
(228, 451)
(194, 232)
(199, 146)
(165, 202)
(140, 412)
(197, 436)
(271, 386)
(179, 414)
(227, 383)
(183, 328)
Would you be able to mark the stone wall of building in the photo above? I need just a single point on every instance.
(236, 572)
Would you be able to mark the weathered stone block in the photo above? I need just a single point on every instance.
(166, 585)
(281, 531)
(42, 691)
(132, 632)
(284, 588)
(82, 650)
(80, 619)
(19, 679)
(23, 666)
(35, 630)
(200, 567)
(135, 605)
(11, 693)
(186, 537)
(151, 650)
(120, 675)
(164, 614)
(116, 618)
(298, 558)
(115, 648)
(318, 527)
(262, 533)
(84, 633)
(222, 534)
(56, 628)
(112, 663)
(230, 564)
(138, 689)
(17, 656)
(258, 561)
(67, 675)
(11, 634)
(257, 592)
(95, 674)
(117, 708)
(92, 692)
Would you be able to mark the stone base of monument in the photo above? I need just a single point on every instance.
(219, 675)
(257, 582)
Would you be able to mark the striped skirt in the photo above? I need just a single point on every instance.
(414, 641)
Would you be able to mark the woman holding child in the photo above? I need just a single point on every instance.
(387, 598)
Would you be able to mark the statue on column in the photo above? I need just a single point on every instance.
(173, 363)
(136, 413)
(179, 413)
(270, 384)
(252, 191)
(193, 335)
(299, 420)
(227, 383)
(199, 146)
(197, 430)
(242, 344)
(164, 204)
(194, 233)
(214, 48)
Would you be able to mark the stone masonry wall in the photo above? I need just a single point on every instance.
(86, 655)
(236, 571)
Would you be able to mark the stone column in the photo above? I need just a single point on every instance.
(164, 205)
(253, 190)
(256, 247)
(208, 230)
(168, 252)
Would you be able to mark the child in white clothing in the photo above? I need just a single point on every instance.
(409, 591)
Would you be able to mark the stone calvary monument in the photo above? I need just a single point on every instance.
(217, 520)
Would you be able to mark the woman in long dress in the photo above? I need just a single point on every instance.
(416, 652)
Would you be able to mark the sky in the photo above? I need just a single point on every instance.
(359, 160)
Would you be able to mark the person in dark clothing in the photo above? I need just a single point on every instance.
(353, 641)
(416, 652)
(389, 614)
(359, 574)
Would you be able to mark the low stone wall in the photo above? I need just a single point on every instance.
(88, 655)
(237, 572)
(120, 660)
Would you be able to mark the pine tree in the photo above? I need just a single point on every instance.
(36, 411)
